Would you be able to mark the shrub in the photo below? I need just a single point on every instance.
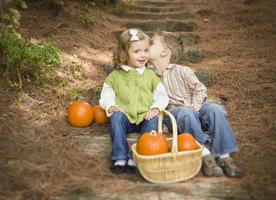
(87, 17)
(28, 60)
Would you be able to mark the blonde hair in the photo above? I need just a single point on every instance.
(173, 42)
(120, 54)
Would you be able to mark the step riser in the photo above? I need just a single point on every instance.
(188, 39)
(160, 3)
(170, 26)
(159, 9)
(141, 15)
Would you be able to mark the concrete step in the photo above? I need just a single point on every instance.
(162, 25)
(159, 15)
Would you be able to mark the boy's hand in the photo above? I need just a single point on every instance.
(115, 109)
(196, 107)
(152, 113)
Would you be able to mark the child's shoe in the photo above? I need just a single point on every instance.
(229, 167)
(119, 166)
(210, 167)
(131, 167)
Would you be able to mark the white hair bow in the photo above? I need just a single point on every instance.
(134, 35)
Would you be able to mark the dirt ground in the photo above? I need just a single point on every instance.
(39, 159)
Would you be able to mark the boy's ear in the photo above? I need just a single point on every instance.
(165, 52)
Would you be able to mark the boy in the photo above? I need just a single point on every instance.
(188, 105)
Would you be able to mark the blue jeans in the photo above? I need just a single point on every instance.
(207, 125)
(120, 127)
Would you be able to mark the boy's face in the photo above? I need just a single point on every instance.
(156, 48)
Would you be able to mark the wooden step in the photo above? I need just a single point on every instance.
(162, 25)
(160, 15)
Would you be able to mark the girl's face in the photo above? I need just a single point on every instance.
(138, 53)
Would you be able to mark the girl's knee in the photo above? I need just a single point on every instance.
(117, 117)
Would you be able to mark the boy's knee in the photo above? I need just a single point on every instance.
(215, 109)
(185, 113)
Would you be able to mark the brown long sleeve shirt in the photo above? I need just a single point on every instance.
(183, 87)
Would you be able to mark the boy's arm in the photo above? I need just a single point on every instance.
(198, 89)
(107, 99)
(160, 97)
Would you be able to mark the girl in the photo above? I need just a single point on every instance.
(132, 96)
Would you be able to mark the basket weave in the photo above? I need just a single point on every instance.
(170, 167)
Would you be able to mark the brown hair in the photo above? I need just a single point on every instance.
(174, 43)
(120, 54)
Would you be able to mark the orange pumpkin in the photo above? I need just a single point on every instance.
(100, 115)
(152, 143)
(186, 142)
(80, 114)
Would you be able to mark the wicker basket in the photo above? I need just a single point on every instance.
(169, 167)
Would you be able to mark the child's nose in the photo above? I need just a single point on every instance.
(145, 54)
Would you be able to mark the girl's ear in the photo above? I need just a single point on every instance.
(165, 52)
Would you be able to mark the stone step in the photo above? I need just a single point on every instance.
(192, 55)
(198, 188)
(187, 38)
(160, 15)
(160, 3)
(205, 78)
(162, 25)
(157, 9)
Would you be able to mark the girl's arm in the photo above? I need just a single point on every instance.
(160, 101)
(160, 97)
(107, 99)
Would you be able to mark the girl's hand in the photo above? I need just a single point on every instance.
(196, 107)
(152, 113)
(115, 109)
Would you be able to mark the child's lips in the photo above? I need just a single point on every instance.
(142, 61)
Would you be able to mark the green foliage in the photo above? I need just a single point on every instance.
(57, 5)
(124, 7)
(28, 60)
(22, 4)
(20, 52)
(74, 93)
(78, 75)
(88, 17)
(12, 18)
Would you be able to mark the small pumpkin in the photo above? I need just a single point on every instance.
(100, 115)
(152, 143)
(186, 142)
(80, 114)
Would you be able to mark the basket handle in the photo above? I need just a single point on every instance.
(174, 148)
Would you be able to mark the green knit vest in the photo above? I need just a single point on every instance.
(133, 92)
